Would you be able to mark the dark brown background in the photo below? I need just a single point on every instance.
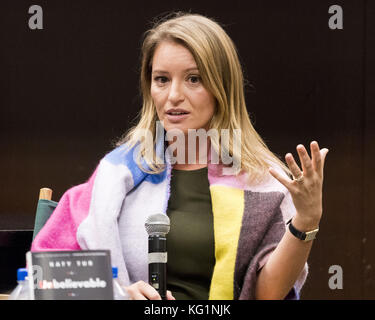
(68, 91)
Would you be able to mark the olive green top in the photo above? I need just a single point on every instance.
(190, 241)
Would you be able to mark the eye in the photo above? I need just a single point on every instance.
(161, 79)
(195, 79)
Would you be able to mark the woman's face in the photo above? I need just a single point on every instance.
(182, 102)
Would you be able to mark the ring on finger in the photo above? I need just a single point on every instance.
(299, 178)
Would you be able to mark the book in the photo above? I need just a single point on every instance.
(70, 275)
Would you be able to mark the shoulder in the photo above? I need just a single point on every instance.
(118, 164)
(267, 183)
(218, 174)
(119, 155)
(271, 194)
(275, 192)
(124, 155)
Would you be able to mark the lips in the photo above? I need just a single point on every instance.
(176, 114)
(176, 111)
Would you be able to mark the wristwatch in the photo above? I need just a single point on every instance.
(304, 236)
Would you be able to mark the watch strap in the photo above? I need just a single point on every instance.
(304, 236)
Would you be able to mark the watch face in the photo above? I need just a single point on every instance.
(311, 235)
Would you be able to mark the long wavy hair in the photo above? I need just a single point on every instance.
(216, 57)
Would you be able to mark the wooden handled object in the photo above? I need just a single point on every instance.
(45, 193)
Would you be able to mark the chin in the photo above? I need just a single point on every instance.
(171, 127)
(183, 130)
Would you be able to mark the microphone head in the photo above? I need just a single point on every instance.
(157, 224)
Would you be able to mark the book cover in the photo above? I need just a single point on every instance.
(70, 275)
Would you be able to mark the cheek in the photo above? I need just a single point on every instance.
(207, 105)
(157, 98)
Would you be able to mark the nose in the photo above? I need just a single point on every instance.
(176, 94)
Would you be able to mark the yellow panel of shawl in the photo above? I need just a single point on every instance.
(227, 207)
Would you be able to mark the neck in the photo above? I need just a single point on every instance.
(199, 150)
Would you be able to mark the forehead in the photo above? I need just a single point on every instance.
(171, 56)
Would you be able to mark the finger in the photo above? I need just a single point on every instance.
(294, 168)
(305, 160)
(134, 293)
(316, 157)
(323, 156)
(170, 296)
(282, 179)
(148, 291)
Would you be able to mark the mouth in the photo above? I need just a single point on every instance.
(176, 115)
(176, 111)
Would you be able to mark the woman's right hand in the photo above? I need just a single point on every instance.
(144, 291)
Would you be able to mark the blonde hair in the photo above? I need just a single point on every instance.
(216, 57)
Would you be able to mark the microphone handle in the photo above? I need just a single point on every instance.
(157, 264)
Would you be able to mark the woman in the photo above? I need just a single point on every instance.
(229, 235)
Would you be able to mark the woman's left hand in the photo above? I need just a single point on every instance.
(306, 187)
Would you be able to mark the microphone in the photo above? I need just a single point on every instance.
(157, 227)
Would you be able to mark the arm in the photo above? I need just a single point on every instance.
(283, 267)
(286, 262)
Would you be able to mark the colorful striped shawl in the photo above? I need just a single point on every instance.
(110, 209)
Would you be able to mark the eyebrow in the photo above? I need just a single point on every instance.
(186, 70)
